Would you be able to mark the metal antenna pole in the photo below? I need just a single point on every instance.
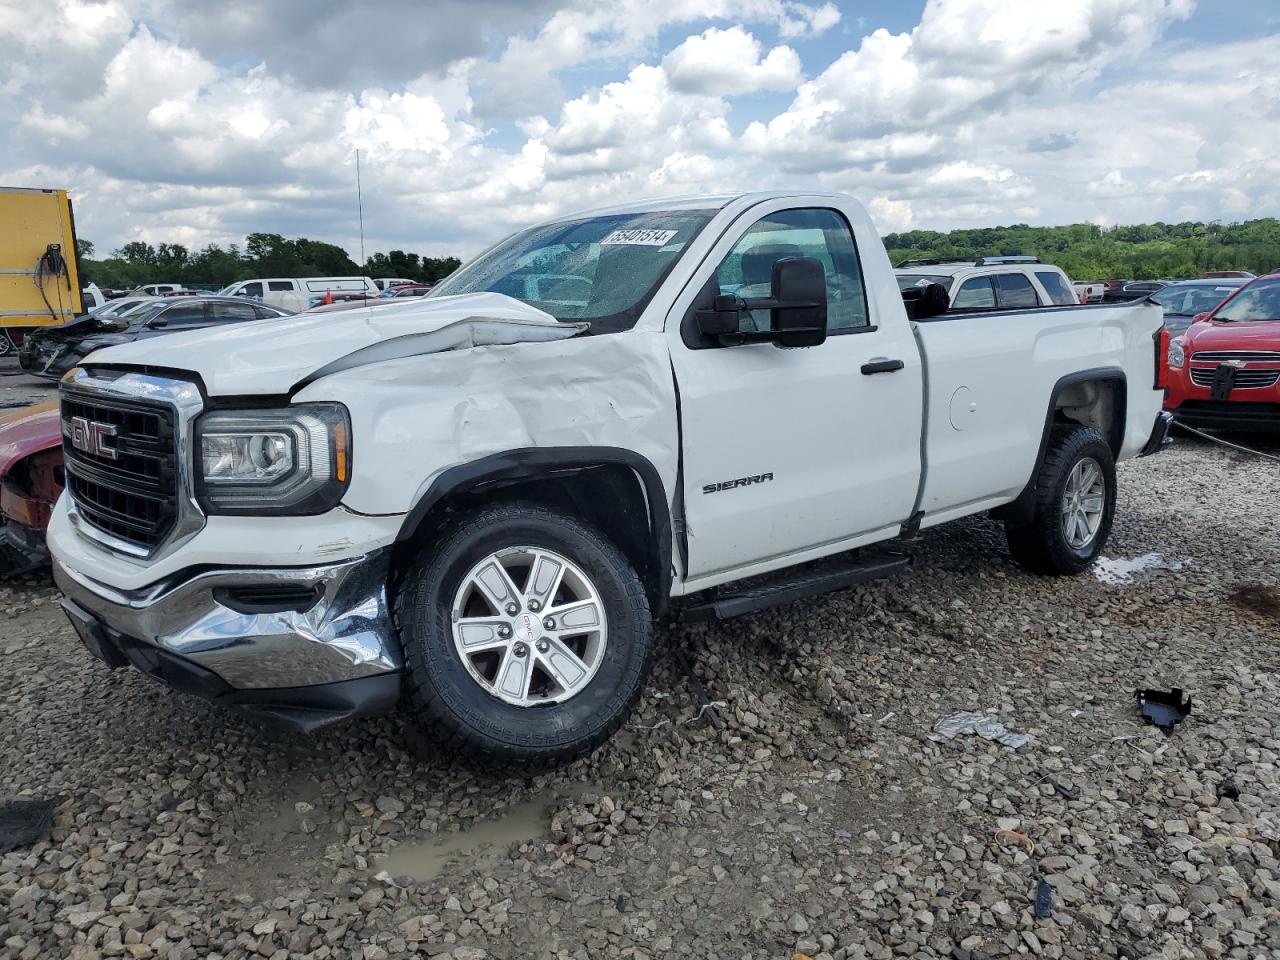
(360, 207)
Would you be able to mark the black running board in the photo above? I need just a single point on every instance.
(789, 587)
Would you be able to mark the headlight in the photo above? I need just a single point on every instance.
(1176, 357)
(291, 461)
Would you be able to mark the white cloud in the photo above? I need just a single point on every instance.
(986, 112)
(727, 62)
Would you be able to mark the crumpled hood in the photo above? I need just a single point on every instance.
(28, 430)
(273, 356)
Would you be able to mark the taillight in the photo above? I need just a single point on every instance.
(1161, 339)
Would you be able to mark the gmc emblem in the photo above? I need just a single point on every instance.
(90, 436)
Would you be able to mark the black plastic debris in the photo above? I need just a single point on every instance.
(1044, 899)
(23, 822)
(1164, 709)
(1064, 790)
(1229, 789)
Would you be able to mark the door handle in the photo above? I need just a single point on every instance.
(881, 365)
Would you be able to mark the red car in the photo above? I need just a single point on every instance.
(1224, 372)
(30, 484)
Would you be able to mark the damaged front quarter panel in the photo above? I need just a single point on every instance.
(424, 403)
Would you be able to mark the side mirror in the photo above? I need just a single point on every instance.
(723, 319)
(799, 302)
(798, 308)
(157, 323)
(928, 301)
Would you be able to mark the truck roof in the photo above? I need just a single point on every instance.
(711, 201)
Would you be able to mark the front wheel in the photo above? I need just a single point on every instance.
(527, 638)
(1075, 503)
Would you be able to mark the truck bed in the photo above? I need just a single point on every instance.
(990, 377)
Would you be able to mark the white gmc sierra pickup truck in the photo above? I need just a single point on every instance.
(475, 504)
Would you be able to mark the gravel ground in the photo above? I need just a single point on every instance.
(824, 819)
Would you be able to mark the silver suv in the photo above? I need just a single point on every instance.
(991, 283)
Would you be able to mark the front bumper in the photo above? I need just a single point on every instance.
(47, 359)
(309, 646)
(1229, 415)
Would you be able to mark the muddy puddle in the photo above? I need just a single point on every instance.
(1119, 573)
(1257, 599)
(518, 823)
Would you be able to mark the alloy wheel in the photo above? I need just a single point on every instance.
(529, 626)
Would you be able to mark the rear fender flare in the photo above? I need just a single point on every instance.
(1023, 505)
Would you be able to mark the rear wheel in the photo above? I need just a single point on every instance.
(1074, 505)
(7, 345)
(527, 638)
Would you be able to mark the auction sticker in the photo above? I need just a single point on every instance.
(640, 237)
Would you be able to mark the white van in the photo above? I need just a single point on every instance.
(296, 293)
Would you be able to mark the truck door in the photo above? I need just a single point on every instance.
(796, 452)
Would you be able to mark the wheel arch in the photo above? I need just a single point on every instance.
(1095, 398)
(616, 490)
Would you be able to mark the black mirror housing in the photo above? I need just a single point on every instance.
(797, 308)
(800, 302)
(723, 319)
(931, 300)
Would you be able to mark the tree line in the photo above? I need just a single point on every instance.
(1147, 251)
(263, 255)
(1084, 250)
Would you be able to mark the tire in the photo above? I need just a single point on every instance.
(452, 699)
(1049, 542)
(6, 344)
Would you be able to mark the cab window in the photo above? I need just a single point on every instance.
(1014, 290)
(976, 293)
(250, 290)
(1055, 285)
(822, 234)
(280, 285)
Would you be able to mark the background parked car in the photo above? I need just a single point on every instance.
(31, 481)
(120, 306)
(1089, 291)
(157, 289)
(1224, 372)
(988, 283)
(53, 351)
(328, 297)
(406, 290)
(1184, 300)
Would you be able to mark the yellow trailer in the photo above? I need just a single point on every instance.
(39, 276)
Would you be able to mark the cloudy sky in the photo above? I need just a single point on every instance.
(196, 122)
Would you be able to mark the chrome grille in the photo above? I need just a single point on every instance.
(1244, 379)
(1247, 356)
(131, 490)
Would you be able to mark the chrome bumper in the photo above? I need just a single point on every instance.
(337, 629)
